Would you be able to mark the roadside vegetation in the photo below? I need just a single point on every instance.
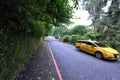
(105, 27)
(23, 26)
(79, 32)
(105, 22)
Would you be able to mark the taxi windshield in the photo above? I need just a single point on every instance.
(100, 45)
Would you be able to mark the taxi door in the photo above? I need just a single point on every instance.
(90, 48)
(83, 46)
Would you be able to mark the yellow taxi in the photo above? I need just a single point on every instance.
(97, 49)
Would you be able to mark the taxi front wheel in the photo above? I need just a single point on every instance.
(98, 55)
(78, 48)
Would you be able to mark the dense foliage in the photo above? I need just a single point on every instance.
(79, 30)
(76, 33)
(60, 31)
(23, 25)
(105, 22)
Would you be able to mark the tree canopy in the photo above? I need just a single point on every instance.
(23, 25)
(106, 23)
(24, 15)
(79, 30)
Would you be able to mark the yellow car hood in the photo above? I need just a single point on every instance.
(110, 50)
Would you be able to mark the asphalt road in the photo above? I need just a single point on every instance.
(77, 65)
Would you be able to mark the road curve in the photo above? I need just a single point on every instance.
(76, 65)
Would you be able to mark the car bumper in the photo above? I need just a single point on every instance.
(113, 57)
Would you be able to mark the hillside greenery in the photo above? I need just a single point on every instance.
(105, 27)
(79, 32)
(105, 22)
(23, 26)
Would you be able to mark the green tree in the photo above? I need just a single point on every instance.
(106, 23)
(60, 31)
(94, 8)
(66, 38)
(23, 25)
(79, 30)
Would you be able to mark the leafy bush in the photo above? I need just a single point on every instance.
(14, 53)
(66, 38)
(74, 38)
(23, 25)
(79, 30)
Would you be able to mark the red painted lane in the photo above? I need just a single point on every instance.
(55, 63)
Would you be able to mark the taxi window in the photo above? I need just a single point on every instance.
(90, 44)
(79, 41)
(100, 45)
(84, 42)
